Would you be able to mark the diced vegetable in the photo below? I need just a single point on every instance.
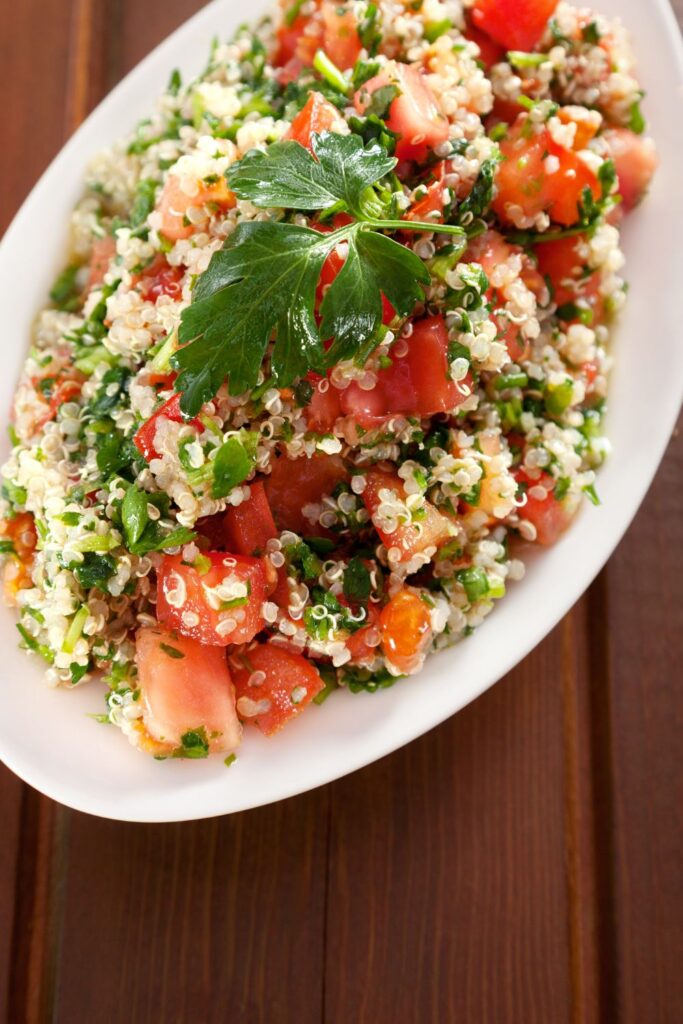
(405, 626)
(549, 516)
(145, 435)
(273, 685)
(515, 24)
(384, 497)
(317, 116)
(294, 484)
(248, 527)
(183, 214)
(635, 159)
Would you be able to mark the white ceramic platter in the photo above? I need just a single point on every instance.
(46, 736)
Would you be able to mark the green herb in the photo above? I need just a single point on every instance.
(591, 494)
(115, 453)
(559, 397)
(232, 465)
(7, 547)
(361, 679)
(561, 488)
(77, 673)
(357, 584)
(637, 122)
(526, 60)
(65, 292)
(94, 570)
(380, 100)
(475, 582)
(570, 311)
(230, 759)
(369, 31)
(104, 402)
(134, 515)
(33, 645)
(434, 29)
(303, 393)
(301, 557)
(510, 380)
(143, 204)
(175, 82)
(478, 201)
(591, 33)
(154, 539)
(330, 72)
(266, 276)
(292, 12)
(172, 652)
(321, 545)
(193, 744)
(499, 131)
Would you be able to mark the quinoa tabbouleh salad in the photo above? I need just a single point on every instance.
(330, 350)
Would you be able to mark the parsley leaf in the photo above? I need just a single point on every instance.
(357, 583)
(134, 514)
(232, 465)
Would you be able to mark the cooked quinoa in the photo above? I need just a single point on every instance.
(323, 529)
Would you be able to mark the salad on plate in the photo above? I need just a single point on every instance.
(329, 353)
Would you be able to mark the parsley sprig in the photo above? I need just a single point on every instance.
(264, 280)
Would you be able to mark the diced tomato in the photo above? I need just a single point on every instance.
(430, 206)
(340, 34)
(21, 531)
(274, 685)
(414, 114)
(290, 71)
(490, 250)
(201, 602)
(316, 117)
(562, 263)
(248, 527)
(405, 626)
(294, 483)
(288, 38)
(61, 390)
(358, 643)
(159, 278)
(587, 125)
(174, 203)
(635, 159)
(409, 538)
(324, 408)
(102, 251)
(515, 24)
(490, 52)
(550, 516)
(416, 384)
(539, 176)
(143, 439)
(185, 687)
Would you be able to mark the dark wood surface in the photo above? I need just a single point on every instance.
(520, 864)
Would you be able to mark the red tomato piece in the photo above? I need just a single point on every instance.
(248, 527)
(416, 384)
(274, 685)
(635, 159)
(414, 114)
(143, 439)
(515, 24)
(218, 603)
(324, 408)
(340, 34)
(358, 644)
(405, 625)
(185, 686)
(294, 483)
(408, 538)
(489, 250)
(317, 116)
(62, 390)
(159, 278)
(540, 177)
(430, 207)
(490, 52)
(550, 516)
(563, 264)
(288, 39)
(102, 251)
(174, 204)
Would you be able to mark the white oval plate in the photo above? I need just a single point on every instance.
(46, 736)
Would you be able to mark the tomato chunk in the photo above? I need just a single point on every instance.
(340, 34)
(21, 531)
(414, 114)
(174, 204)
(248, 527)
(416, 384)
(515, 24)
(550, 516)
(363, 644)
(217, 600)
(405, 627)
(295, 483)
(185, 687)
(490, 250)
(382, 492)
(538, 176)
(324, 408)
(274, 685)
(102, 251)
(159, 278)
(490, 52)
(561, 261)
(144, 437)
(294, 43)
(317, 116)
(635, 160)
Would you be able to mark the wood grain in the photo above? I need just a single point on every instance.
(521, 863)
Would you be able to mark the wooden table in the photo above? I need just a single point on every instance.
(520, 864)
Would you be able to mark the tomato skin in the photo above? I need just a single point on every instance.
(173, 575)
(248, 527)
(405, 627)
(524, 180)
(294, 483)
(515, 24)
(296, 44)
(430, 206)
(490, 52)
(550, 516)
(409, 538)
(159, 278)
(173, 204)
(324, 408)
(316, 116)
(143, 439)
(340, 34)
(635, 160)
(563, 264)
(357, 643)
(414, 115)
(489, 250)
(102, 251)
(416, 384)
(286, 673)
(185, 693)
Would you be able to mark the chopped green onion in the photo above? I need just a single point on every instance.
(526, 60)
(475, 582)
(510, 380)
(75, 629)
(96, 542)
(558, 398)
(330, 72)
(434, 29)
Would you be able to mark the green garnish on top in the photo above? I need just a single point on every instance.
(264, 281)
